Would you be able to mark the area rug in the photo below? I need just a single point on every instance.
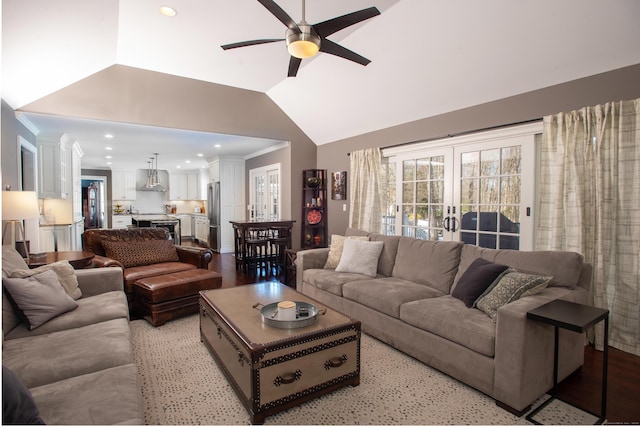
(182, 384)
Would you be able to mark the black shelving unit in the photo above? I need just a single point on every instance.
(314, 209)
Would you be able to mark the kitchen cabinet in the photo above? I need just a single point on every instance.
(184, 186)
(52, 164)
(123, 185)
(76, 235)
(120, 221)
(55, 238)
(202, 228)
(185, 225)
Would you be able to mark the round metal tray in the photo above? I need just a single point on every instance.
(269, 313)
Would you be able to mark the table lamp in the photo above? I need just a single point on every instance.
(16, 207)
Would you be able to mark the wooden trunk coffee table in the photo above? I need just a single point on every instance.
(272, 369)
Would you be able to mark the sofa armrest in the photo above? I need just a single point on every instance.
(309, 259)
(95, 281)
(198, 256)
(103, 262)
(524, 349)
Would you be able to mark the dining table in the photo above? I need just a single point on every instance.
(241, 233)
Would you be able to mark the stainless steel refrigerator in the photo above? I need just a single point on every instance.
(213, 212)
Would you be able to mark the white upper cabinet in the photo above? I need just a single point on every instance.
(186, 186)
(123, 184)
(52, 159)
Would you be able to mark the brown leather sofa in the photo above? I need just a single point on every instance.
(142, 253)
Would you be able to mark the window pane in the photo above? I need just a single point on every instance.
(436, 216)
(469, 218)
(423, 169)
(511, 160)
(407, 215)
(490, 162)
(489, 190)
(437, 192)
(468, 237)
(437, 167)
(422, 195)
(509, 242)
(488, 218)
(487, 240)
(408, 170)
(510, 189)
(510, 220)
(469, 191)
(408, 195)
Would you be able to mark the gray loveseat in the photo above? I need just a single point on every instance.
(409, 305)
(79, 365)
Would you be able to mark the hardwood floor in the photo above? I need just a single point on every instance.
(581, 389)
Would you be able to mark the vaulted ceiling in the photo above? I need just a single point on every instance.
(428, 57)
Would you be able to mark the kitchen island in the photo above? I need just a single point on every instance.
(170, 222)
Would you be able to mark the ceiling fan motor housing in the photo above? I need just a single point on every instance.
(304, 43)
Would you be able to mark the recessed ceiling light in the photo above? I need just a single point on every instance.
(108, 156)
(217, 145)
(108, 148)
(108, 136)
(108, 163)
(200, 155)
(168, 11)
(178, 166)
(187, 161)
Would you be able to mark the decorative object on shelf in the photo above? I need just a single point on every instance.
(339, 186)
(313, 182)
(314, 208)
(314, 217)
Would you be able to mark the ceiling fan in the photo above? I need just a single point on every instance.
(304, 40)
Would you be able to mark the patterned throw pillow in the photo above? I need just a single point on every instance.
(511, 287)
(140, 253)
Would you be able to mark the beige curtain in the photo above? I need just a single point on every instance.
(365, 190)
(590, 203)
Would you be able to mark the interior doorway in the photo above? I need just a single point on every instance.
(94, 201)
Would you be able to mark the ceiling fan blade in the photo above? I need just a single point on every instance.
(327, 46)
(279, 13)
(250, 43)
(333, 25)
(294, 64)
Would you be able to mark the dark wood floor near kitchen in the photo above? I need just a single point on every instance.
(581, 389)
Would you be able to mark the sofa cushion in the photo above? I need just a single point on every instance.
(336, 248)
(476, 279)
(387, 294)
(432, 263)
(11, 260)
(330, 280)
(510, 288)
(18, 406)
(90, 310)
(563, 266)
(39, 297)
(51, 357)
(360, 257)
(10, 318)
(448, 317)
(389, 252)
(108, 396)
(63, 269)
(140, 253)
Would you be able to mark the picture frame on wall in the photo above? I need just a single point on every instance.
(339, 185)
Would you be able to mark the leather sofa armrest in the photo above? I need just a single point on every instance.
(103, 262)
(524, 349)
(94, 281)
(198, 256)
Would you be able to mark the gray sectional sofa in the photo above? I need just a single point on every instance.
(409, 305)
(78, 366)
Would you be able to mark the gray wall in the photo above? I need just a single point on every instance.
(11, 129)
(621, 84)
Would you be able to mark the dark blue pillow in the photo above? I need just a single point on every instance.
(18, 406)
(476, 279)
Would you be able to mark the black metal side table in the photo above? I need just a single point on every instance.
(579, 318)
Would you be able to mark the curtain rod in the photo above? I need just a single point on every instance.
(467, 132)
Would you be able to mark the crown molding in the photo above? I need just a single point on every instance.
(22, 118)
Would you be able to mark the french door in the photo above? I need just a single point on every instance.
(264, 190)
(478, 189)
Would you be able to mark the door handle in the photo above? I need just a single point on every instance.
(446, 223)
(453, 228)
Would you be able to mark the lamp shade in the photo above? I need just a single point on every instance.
(19, 205)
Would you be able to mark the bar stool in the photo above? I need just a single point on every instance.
(280, 241)
(240, 248)
(257, 254)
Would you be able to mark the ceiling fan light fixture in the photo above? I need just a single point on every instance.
(304, 44)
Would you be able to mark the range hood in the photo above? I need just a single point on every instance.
(152, 183)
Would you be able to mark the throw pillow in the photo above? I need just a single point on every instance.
(511, 287)
(335, 249)
(140, 253)
(476, 279)
(40, 297)
(63, 269)
(18, 406)
(360, 257)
